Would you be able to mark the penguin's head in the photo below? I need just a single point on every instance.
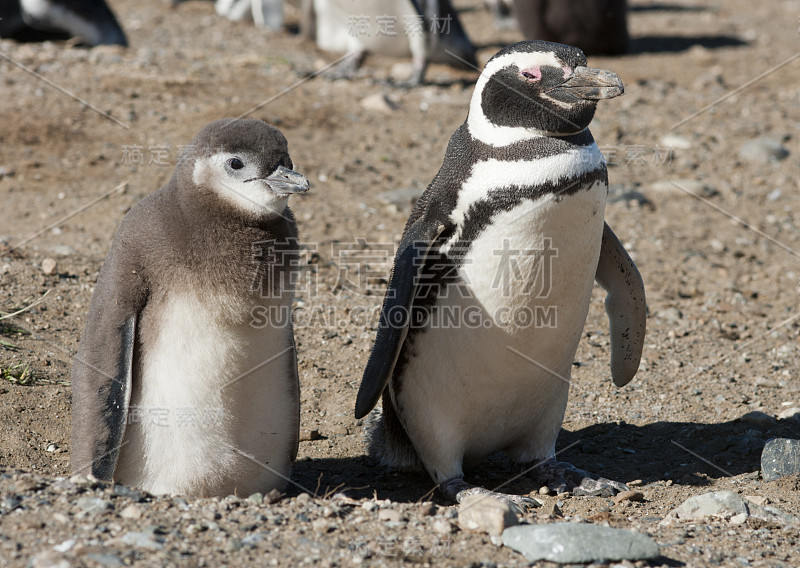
(245, 162)
(537, 88)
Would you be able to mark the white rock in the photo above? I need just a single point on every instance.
(482, 513)
(378, 102)
(675, 141)
(48, 266)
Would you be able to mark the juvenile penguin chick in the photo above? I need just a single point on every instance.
(174, 389)
(492, 281)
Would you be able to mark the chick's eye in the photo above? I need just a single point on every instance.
(235, 164)
(531, 75)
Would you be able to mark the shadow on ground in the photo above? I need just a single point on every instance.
(677, 44)
(687, 453)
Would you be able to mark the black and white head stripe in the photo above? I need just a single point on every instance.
(516, 96)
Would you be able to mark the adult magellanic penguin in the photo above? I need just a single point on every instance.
(174, 389)
(38, 20)
(492, 281)
(595, 26)
(427, 30)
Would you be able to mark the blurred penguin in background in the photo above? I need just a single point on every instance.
(427, 30)
(597, 27)
(264, 13)
(41, 20)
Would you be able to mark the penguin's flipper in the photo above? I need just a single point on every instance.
(101, 397)
(396, 311)
(102, 370)
(625, 305)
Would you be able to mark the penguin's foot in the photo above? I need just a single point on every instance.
(456, 489)
(562, 477)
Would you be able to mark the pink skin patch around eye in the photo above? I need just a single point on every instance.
(567, 72)
(532, 74)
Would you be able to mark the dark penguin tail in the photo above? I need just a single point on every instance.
(91, 20)
(387, 440)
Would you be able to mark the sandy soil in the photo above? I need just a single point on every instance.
(721, 269)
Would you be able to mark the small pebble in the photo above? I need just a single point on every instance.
(427, 509)
(129, 493)
(273, 496)
(369, 506)
(131, 512)
(378, 102)
(144, 540)
(544, 490)
(442, 527)
(256, 498)
(629, 496)
(390, 515)
(107, 560)
(93, 505)
(309, 435)
(763, 150)
(322, 526)
(757, 499)
(48, 266)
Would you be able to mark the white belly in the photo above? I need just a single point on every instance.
(499, 380)
(355, 25)
(206, 390)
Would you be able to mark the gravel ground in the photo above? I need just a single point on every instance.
(703, 198)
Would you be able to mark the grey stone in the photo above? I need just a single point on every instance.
(482, 513)
(145, 540)
(568, 543)
(401, 199)
(792, 413)
(93, 505)
(127, 492)
(670, 314)
(253, 540)
(48, 559)
(109, 560)
(257, 498)
(763, 150)
(726, 505)
(780, 456)
(8, 504)
(758, 418)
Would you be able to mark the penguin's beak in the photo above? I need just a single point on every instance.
(284, 181)
(593, 84)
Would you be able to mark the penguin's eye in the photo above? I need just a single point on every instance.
(235, 164)
(531, 75)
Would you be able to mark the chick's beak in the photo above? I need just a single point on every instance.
(284, 181)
